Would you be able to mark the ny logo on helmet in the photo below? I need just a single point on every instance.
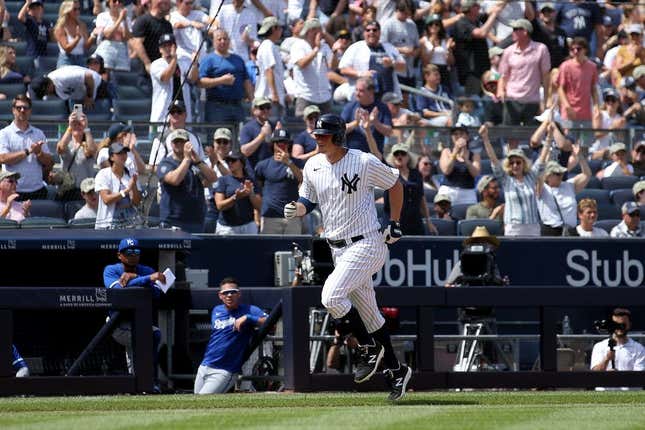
(351, 184)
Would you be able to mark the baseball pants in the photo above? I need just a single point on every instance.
(350, 283)
(213, 381)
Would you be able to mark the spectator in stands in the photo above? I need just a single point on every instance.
(123, 134)
(189, 24)
(182, 194)
(10, 208)
(467, 116)
(118, 191)
(89, 209)
(238, 20)
(630, 55)
(401, 117)
(279, 178)
(493, 107)
(255, 135)
(232, 326)
(518, 179)
(510, 11)
(437, 48)
(168, 73)
(547, 31)
(639, 76)
(611, 47)
(146, 32)
(579, 18)
(619, 165)
(626, 355)
(216, 152)
(271, 69)
(77, 151)
(366, 104)
(607, 118)
(312, 59)
(37, 29)
(19, 364)
(370, 58)
(438, 112)
(638, 189)
(304, 145)
(557, 198)
(638, 158)
(23, 149)
(424, 166)
(630, 225)
(128, 272)
(525, 65)
(338, 48)
(460, 167)
(633, 111)
(8, 73)
(70, 83)
(237, 197)
(442, 207)
(471, 50)
(489, 206)
(415, 208)
(114, 30)
(401, 32)
(577, 80)
(72, 36)
(227, 82)
(588, 214)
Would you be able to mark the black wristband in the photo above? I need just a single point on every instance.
(26, 152)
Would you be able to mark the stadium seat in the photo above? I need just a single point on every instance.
(43, 222)
(594, 183)
(429, 193)
(620, 196)
(595, 166)
(46, 65)
(465, 227)
(459, 211)
(52, 49)
(54, 109)
(12, 90)
(444, 226)
(72, 207)
(131, 92)
(47, 208)
(88, 223)
(607, 224)
(486, 168)
(25, 65)
(438, 178)
(132, 110)
(617, 182)
(126, 78)
(600, 196)
(608, 211)
(8, 224)
(19, 46)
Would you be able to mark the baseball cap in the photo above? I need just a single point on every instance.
(467, 4)
(117, 128)
(87, 185)
(553, 167)
(432, 18)
(310, 110)
(494, 51)
(261, 101)
(117, 148)
(442, 198)
(166, 38)
(391, 97)
(7, 174)
(522, 23)
(483, 182)
(310, 24)
(638, 187)
(178, 105)
(35, 3)
(639, 72)
(609, 92)
(95, 58)
(618, 146)
(280, 135)
(634, 28)
(128, 243)
(458, 127)
(343, 34)
(235, 155)
(629, 208)
(178, 134)
(267, 24)
(223, 133)
(547, 5)
(606, 21)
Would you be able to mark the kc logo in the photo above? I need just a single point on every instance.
(352, 185)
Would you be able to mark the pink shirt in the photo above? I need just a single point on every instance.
(523, 71)
(578, 81)
(15, 213)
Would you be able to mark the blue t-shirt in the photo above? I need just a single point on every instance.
(17, 361)
(306, 141)
(280, 186)
(214, 66)
(242, 211)
(250, 131)
(185, 202)
(226, 346)
(356, 139)
(36, 36)
(578, 20)
(434, 105)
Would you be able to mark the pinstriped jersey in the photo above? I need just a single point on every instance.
(344, 191)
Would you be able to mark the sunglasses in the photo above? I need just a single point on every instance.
(400, 154)
(610, 100)
(76, 9)
(131, 251)
(222, 142)
(21, 107)
(231, 160)
(230, 292)
(264, 107)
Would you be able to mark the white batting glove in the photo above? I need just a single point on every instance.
(290, 210)
(392, 232)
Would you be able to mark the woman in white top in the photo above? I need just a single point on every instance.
(113, 30)
(71, 34)
(588, 214)
(123, 134)
(608, 118)
(118, 192)
(436, 48)
(557, 198)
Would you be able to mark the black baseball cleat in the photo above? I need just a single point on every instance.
(397, 380)
(369, 358)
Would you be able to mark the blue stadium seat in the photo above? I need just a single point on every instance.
(600, 196)
(486, 168)
(594, 183)
(88, 223)
(8, 224)
(19, 46)
(25, 65)
(12, 90)
(608, 211)
(595, 166)
(607, 224)
(444, 226)
(459, 211)
(622, 195)
(47, 208)
(43, 222)
(53, 109)
(72, 207)
(132, 110)
(126, 78)
(465, 227)
(46, 65)
(617, 182)
(429, 194)
(131, 92)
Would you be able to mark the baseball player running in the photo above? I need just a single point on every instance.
(341, 181)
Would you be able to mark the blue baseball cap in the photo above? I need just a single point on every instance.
(128, 243)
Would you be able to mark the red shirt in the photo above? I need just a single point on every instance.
(578, 81)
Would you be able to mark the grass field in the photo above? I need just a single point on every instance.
(466, 410)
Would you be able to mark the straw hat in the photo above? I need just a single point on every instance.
(481, 235)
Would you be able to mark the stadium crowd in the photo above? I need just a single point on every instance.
(421, 85)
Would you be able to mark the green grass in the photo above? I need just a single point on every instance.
(470, 410)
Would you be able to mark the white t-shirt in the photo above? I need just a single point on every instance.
(104, 20)
(85, 212)
(311, 83)
(614, 170)
(595, 232)
(162, 91)
(69, 82)
(234, 24)
(357, 56)
(629, 356)
(188, 38)
(344, 191)
(130, 162)
(106, 180)
(605, 141)
(162, 151)
(566, 198)
(269, 57)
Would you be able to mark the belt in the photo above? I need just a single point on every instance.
(341, 243)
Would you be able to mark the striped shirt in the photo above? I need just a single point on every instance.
(521, 204)
(344, 191)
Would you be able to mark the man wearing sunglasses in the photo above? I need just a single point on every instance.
(232, 325)
(128, 273)
(630, 225)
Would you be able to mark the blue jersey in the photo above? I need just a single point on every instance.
(307, 142)
(226, 346)
(17, 362)
(280, 186)
(250, 131)
(113, 272)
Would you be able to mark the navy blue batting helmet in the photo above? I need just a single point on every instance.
(333, 124)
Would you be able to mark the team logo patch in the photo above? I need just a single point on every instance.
(349, 185)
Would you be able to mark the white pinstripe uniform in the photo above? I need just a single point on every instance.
(344, 192)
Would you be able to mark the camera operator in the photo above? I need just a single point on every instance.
(476, 265)
(619, 352)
